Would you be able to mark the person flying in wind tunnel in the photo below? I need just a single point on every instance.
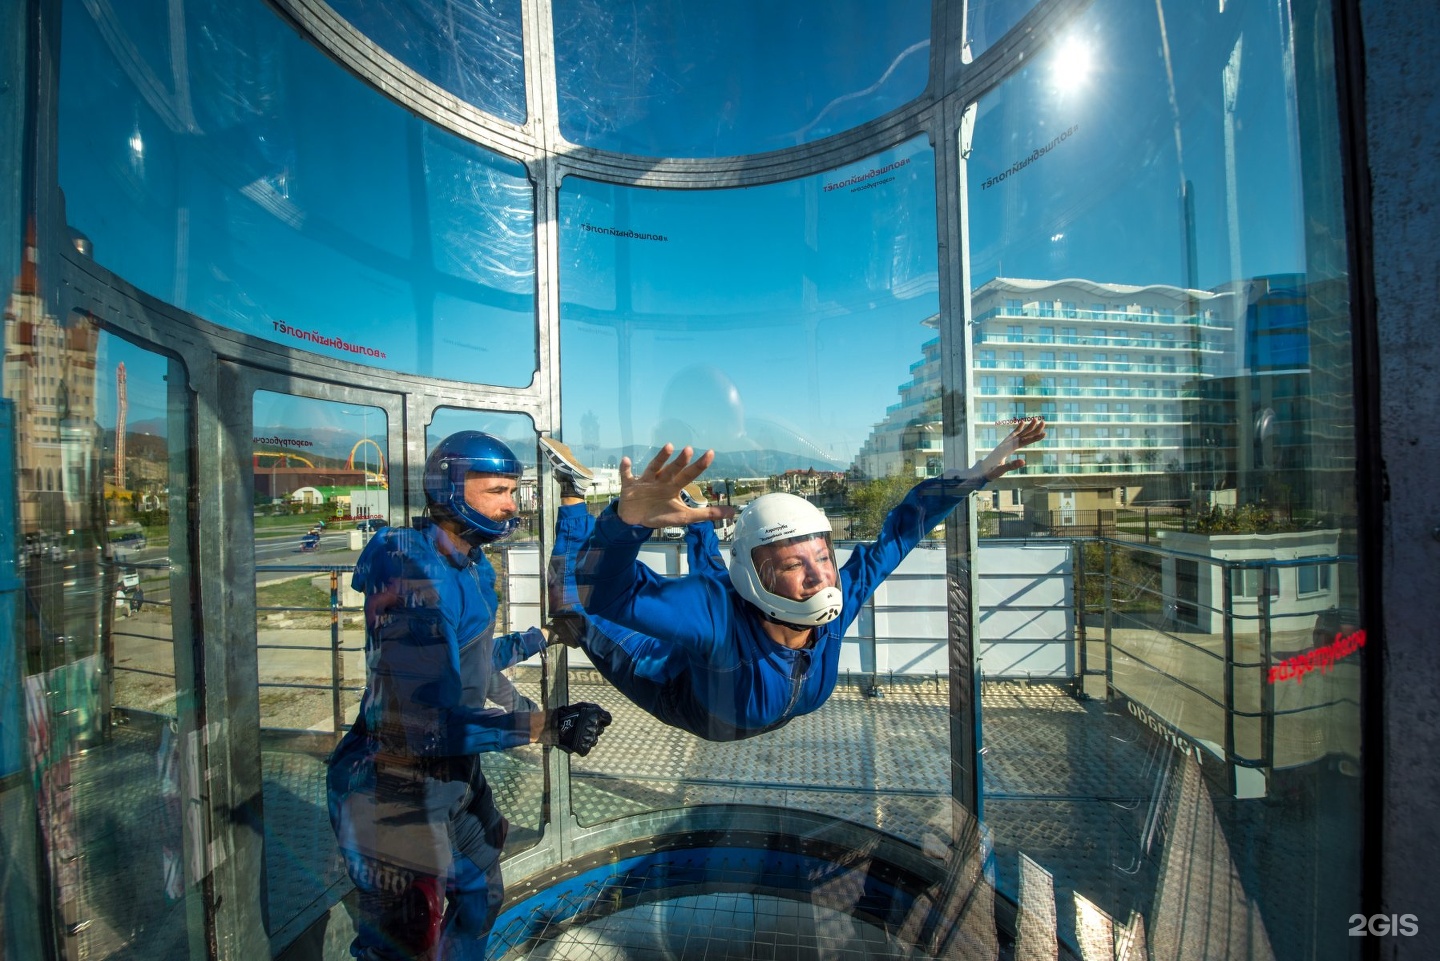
(637, 664)
(730, 657)
(415, 819)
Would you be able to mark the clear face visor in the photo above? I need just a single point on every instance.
(484, 481)
(777, 559)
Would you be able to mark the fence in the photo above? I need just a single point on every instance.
(1246, 658)
(1243, 694)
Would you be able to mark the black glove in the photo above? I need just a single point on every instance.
(575, 728)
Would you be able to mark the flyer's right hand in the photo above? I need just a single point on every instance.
(1000, 461)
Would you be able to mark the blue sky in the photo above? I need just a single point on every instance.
(273, 193)
(809, 301)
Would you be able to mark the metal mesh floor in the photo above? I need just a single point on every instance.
(1076, 789)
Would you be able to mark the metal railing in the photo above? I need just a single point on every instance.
(1216, 655)
(334, 611)
(1171, 639)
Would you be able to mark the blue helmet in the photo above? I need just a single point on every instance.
(445, 470)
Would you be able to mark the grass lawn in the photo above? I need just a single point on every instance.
(293, 595)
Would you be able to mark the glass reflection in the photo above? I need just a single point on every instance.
(667, 79)
(21, 913)
(1144, 279)
(322, 488)
(108, 703)
(473, 50)
(517, 776)
(251, 181)
(989, 20)
(731, 318)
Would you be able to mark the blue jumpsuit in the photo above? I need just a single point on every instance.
(638, 665)
(413, 814)
(696, 654)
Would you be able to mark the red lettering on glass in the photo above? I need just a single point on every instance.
(1321, 659)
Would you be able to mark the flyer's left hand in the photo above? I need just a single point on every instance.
(652, 497)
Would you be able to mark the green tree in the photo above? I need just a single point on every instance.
(872, 500)
(1135, 579)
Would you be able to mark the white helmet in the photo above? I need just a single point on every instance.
(777, 519)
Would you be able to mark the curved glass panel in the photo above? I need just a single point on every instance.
(671, 79)
(989, 20)
(1158, 265)
(772, 324)
(320, 471)
(109, 700)
(473, 50)
(256, 184)
(321, 485)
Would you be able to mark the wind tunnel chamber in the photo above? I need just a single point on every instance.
(268, 254)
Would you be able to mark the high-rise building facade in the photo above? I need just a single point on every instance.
(1114, 369)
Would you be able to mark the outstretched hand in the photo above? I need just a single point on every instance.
(1001, 461)
(652, 499)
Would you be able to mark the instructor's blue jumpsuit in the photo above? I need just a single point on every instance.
(414, 816)
(694, 653)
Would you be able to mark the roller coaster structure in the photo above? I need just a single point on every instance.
(284, 457)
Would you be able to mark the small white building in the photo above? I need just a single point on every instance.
(1299, 578)
(308, 496)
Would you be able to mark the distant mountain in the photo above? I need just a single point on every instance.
(740, 463)
(324, 443)
(327, 446)
(152, 425)
(139, 443)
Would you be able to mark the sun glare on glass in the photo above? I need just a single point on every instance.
(1070, 65)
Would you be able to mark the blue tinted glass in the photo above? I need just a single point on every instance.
(1277, 325)
(269, 191)
(1078, 171)
(1156, 189)
(474, 50)
(775, 324)
(143, 34)
(989, 20)
(667, 78)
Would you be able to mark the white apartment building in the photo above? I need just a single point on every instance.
(1109, 366)
(909, 439)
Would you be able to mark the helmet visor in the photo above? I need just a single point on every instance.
(797, 567)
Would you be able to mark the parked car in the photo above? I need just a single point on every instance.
(371, 524)
(724, 530)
